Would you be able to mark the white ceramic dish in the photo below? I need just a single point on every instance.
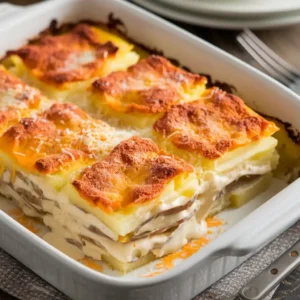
(249, 228)
(235, 8)
(224, 22)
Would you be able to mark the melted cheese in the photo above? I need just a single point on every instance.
(79, 56)
(61, 139)
(99, 198)
(125, 222)
(16, 99)
(145, 90)
(135, 172)
(212, 126)
(254, 151)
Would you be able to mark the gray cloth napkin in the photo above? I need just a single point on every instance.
(22, 283)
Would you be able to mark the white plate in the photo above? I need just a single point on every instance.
(195, 18)
(235, 7)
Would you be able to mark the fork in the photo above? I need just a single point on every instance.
(275, 65)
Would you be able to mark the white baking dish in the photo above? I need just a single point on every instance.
(249, 228)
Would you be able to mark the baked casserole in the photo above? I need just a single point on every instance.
(124, 156)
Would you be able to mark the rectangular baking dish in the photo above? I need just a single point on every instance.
(248, 229)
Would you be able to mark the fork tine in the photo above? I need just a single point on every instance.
(257, 47)
(262, 62)
(271, 53)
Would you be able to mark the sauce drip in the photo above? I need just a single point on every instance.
(186, 251)
(213, 222)
(167, 262)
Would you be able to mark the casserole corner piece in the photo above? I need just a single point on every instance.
(63, 61)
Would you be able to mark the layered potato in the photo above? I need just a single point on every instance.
(104, 191)
(62, 65)
(226, 141)
(40, 153)
(123, 158)
(139, 95)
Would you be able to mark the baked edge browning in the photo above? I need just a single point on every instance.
(46, 57)
(63, 114)
(128, 160)
(46, 128)
(212, 126)
(157, 98)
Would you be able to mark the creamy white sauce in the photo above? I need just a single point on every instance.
(67, 221)
(160, 244)
(186, 231)
(218, 182)
(59, 242)
(165, 221)
(68, 210)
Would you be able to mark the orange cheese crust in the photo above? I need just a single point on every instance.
(213, 125)
(66, 58)
(65, 115)
(135, 172)
(21, 98)
(36, 145)
(54, 140)
(150, 86)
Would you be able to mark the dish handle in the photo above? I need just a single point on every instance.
(8, 9)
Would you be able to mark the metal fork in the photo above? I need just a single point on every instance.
(277, 67)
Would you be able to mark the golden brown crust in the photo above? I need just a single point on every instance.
(39, 145)
(31, 129)
(62, 58)
(213, 125)
(65, 115)
(8, 117)
(22, 98)
(55, 162)
(51, 142)
(136, 171)
(150, 86)
(36, 143)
